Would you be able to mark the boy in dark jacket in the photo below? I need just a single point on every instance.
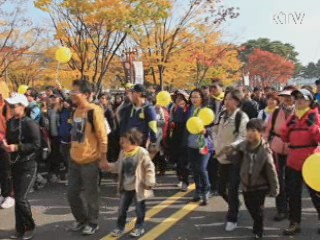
(257, 173)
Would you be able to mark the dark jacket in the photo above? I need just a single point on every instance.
(257, 168)
(251, 108)
(65, 125)
(26, 133)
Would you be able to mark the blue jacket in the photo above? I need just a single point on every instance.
(139, 119)
(65, 125)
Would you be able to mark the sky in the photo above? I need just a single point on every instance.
(298, 23)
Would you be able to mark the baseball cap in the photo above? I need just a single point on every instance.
(18, 98)
(285, 93)
(305, 93)
(139, 88)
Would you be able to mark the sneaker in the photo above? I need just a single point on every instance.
(8, 203)
(76, 227)
(117, 233)
(53, 178)
(28, 235)
(90, 229)
(196, 198)
(205, 199)
(16, 235)
(258, 236)
(280, 217)
(179, 185)
(292, 229)
(184, 187)
(137, 232)
(231, 226)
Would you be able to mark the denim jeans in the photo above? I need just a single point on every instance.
(229, 182)
(126, 199)
(23, 176)
(199, 164)
(83, 192)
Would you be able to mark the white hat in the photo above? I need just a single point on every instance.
(285, 93)
(18, 99)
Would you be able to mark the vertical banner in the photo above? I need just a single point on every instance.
(246, 80)
(139, 73)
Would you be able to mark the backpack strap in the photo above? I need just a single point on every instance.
(90, 118)
(237, 121)
(264, 115)
(273, 121)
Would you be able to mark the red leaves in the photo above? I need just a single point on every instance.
(269, 68)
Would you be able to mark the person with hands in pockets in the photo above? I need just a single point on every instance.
(136, 173)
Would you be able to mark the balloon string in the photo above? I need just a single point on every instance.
(57, 74)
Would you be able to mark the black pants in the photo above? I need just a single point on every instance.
(254, 202)
(23, 176)
(126, 198)
(183, 164)
(5, 174)
(55, 157)
(229, 181)
(213, 173)
(294, 183)
(281, 199)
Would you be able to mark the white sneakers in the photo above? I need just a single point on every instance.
(231, 226)
(8, 202)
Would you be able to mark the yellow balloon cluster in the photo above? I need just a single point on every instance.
(207, 116)
(311, 171)
(163, 98)
(63, 55)
(22, 89)
(195, 125)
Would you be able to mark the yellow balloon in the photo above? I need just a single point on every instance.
(22, 89)
(163, 98)
(207, 116)
(63, 55)
(195, 125)
(311, 171)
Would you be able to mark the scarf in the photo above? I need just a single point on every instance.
(131, 153)
(220, 97)
(269, 110)
(288, 110)
(301, 113)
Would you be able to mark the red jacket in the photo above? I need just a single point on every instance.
(303, 139)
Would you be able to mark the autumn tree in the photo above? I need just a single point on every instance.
(162, 38)
(214, 59)
(95, 30)
(269, 69)
(18, 35)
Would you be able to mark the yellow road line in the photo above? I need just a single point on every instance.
(170, 221)
(155, 210)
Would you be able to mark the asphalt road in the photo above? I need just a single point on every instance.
(170, 216)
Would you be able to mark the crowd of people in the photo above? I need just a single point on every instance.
(256, 145)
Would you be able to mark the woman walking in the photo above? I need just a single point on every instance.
(23, 142)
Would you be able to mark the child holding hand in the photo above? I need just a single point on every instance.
(136, 174)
